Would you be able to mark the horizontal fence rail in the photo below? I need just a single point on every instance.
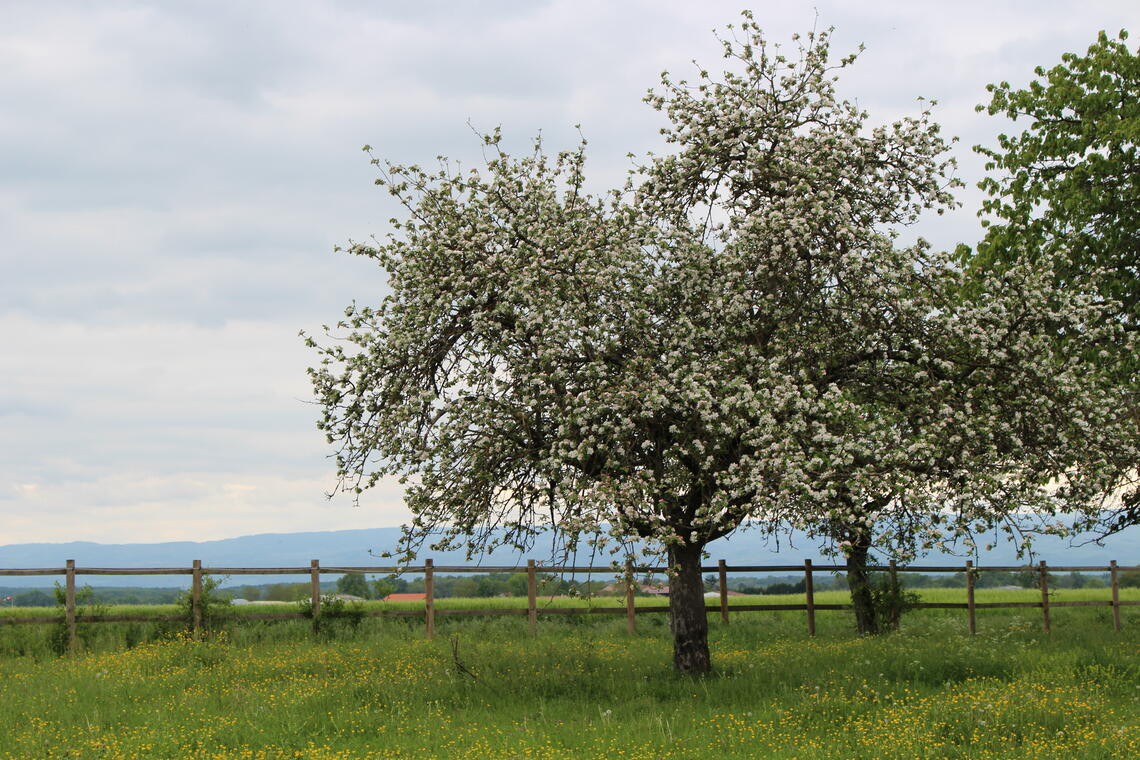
(626, 575)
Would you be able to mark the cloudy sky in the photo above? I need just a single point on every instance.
(174, 177)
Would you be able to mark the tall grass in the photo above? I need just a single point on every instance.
(584, 688)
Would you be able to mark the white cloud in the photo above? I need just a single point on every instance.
(131, 507)
(173, 178)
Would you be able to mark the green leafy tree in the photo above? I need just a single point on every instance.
(491, 585)
(354, 584)
(733, 337)
(465, 587)
(1069, 186)
(992, 579)
(1074, 580)
(516, 584)
(34, 598)
(1071, 181)
(381, 587)
(1030, 578)
(1129, 579)
(287, 592)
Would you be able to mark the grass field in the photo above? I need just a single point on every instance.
(584, 688)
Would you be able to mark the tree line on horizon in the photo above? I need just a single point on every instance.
(514, 585)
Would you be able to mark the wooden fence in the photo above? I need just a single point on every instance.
(429, 612)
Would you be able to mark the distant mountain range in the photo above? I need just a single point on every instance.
(358, 548)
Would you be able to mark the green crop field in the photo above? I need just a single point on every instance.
(584, 688)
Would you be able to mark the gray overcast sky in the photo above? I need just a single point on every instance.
(174, 176)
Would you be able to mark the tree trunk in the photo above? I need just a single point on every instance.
(687, 618)
(860, 585)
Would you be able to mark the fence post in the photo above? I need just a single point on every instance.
(531, 597)
(971, 621)
(1044, 595)
(723, 591)
(809, 590)
(629, 613)
(1115, 595)
(429, 597)
(69, 602)
(315, 588)
(196, 598)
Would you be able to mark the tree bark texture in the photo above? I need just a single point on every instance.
(862, 600)
(687, 619)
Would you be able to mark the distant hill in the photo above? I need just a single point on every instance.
(354, 548)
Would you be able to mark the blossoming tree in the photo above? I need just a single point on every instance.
(734, 337)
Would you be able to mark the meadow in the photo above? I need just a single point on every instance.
(585, 688)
